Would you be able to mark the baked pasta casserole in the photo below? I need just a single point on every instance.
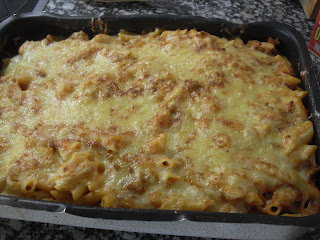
(165, 120)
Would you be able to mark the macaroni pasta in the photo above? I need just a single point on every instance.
(166, 120)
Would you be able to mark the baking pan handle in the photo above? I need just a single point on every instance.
(32, 204)
(124, 213)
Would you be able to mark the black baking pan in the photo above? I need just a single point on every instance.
(9, 7)
(35, 26)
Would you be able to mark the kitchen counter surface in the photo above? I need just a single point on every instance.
(241, 11)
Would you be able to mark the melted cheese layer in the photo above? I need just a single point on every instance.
(168, 120)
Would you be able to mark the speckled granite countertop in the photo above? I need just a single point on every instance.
(286, 11)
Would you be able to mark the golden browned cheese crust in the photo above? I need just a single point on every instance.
(166, 120)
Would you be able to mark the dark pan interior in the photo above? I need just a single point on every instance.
(15, 30)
